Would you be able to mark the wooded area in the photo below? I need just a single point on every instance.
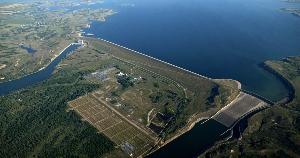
(34, 121)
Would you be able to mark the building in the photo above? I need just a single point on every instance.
(80, 42)
(120, 74)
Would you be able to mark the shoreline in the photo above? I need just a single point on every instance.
(289, 88)
(181, 132)
(55, 56)
(45, 66)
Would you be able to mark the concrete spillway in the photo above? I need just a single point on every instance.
(238, 108)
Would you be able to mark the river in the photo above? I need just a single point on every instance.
(192, 142)
(34, 78)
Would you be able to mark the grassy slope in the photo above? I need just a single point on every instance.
(273, 132)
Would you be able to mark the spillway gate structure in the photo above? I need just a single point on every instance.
(243, 105)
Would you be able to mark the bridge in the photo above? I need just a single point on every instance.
(240, 107)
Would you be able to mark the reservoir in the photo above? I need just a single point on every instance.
(217, 39)
(34, 78)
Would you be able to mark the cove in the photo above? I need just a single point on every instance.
(34, 78)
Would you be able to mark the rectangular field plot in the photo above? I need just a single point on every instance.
(137, 142)
(116, 119)
(89, 112)
(116, 129)
(93, 121)
(98, 108)
(101, 126)
(83, 107)
(125, 136)
(130, 134)
(73, 103)
(84, 99)
(84, 114)
(104, 113)
(112, 121)
(112, 130)
(99, 116)
(108, 122)
(121, 126)
(133, 131)
(116, 140)
(104, 125)
(119, 136)
(142, 138)
(90, 105)
(108, 134)
(93, 111)
(80, 101)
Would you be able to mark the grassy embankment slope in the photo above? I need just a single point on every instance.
(273, 132)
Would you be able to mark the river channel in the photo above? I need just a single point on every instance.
(34, 78)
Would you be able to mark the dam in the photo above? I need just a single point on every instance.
(243, 105)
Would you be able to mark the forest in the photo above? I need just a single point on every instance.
(36, 122)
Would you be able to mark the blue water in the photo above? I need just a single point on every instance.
(29, 50)
(218, 39)
(7, 87)
(192, 142)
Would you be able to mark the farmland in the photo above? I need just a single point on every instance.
(109, 123)
(143, 104)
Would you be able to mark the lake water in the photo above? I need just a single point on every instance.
(29, 50)
(217, 39)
